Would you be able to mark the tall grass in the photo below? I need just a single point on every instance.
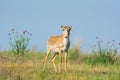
(30, 67)
(103, 52)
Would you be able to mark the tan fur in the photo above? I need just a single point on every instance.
(55, 40)
(58, 45)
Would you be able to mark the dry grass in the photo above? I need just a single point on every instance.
(30, 67)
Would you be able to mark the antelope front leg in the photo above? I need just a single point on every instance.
(66, 61)
(60, 59)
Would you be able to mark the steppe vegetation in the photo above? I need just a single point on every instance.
(21, 63)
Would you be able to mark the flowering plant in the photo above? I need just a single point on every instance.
(19, 42)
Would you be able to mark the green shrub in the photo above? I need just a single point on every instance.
(104, 52)
(19, 43)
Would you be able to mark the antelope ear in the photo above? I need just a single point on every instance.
(70, 27)
(62, 27)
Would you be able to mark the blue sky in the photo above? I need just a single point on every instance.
(43, 18)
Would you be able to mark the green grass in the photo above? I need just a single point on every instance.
(30, 67)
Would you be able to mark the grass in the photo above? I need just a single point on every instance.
(30, 67)
(102, 64)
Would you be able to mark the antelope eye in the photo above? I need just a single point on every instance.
(63, 29)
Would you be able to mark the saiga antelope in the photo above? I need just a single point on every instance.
(58, 45)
